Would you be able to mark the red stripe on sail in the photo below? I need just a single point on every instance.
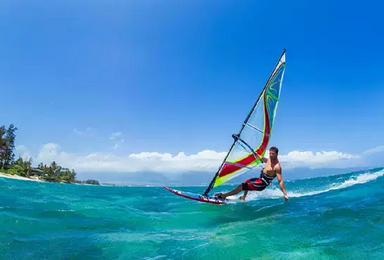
(230, 168)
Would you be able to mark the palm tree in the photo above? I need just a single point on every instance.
(22, 167)
(3, 142)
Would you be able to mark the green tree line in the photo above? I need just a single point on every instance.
(21, 167)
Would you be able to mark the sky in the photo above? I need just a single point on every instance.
(127, 86)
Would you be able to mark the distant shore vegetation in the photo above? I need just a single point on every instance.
(23, 168)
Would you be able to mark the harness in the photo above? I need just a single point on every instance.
(266, 178)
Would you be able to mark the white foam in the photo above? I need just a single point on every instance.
(276, 193)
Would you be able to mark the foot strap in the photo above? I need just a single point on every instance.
(219, 195)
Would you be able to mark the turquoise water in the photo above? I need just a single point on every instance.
(337, 217)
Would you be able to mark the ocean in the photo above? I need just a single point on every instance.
(333, 217)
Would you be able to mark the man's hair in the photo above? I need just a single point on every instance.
(273, 148)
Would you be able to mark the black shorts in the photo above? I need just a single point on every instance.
(253, 184)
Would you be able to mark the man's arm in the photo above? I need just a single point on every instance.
(281, 183)
(263, 159)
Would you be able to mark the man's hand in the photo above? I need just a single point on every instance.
(262, 159)
(281, 183)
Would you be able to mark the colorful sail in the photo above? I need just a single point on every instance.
(255, 133)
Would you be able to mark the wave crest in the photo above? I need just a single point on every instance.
(275, 193)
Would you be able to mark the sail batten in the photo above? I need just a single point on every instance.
(240, 165)
(255, 128)
(254, 135)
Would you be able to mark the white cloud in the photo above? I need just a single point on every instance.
(375, 150)
(88, 131)
(21, 148)
(150, 156)
(115, 135)
(23, 152)
(49, 150)
(206, 160)
(319, 159)
(117, 145)
(116, 138)
(146, 161)
(77, 131)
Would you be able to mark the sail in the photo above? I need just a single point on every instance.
(255, 133)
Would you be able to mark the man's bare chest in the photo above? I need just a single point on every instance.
(271, 169)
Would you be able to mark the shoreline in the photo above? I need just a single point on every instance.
(17, 177)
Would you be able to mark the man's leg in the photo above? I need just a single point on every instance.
(252, 184)
(233, 192)
(244, 195)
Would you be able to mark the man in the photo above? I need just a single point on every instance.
(270, 171)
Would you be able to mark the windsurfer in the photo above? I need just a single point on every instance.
(271, 170)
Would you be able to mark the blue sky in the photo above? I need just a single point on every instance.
(181, 76)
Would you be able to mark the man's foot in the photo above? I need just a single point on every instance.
(218, 195)
(242, 198)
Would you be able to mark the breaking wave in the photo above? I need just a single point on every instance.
(275, 192)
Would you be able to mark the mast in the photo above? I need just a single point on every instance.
(209, 188)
